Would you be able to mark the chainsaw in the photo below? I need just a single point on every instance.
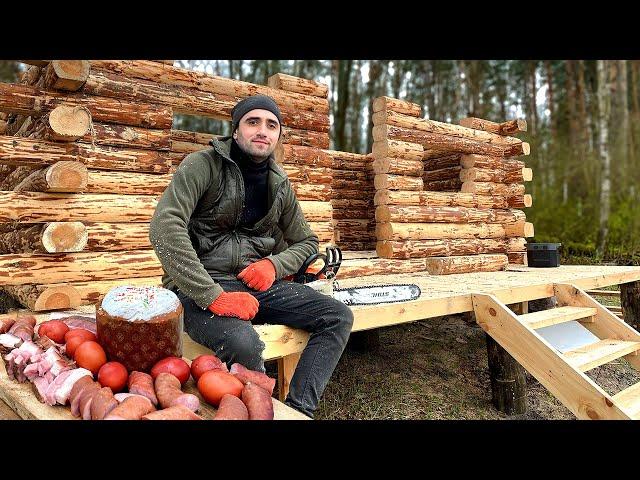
(324, 281)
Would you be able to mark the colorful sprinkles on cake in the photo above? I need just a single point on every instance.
(139, 303)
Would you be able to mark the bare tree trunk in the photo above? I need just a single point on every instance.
(573, 127)
(375, 72)
(532, 96)
(344, 72)
(356, 117)
(623, 103)
(604, 107)
(550, 99)
(584, 139)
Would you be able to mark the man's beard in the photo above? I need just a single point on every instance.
(253, 151)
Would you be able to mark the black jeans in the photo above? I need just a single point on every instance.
(233, 340)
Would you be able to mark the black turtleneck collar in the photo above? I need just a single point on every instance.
(255, 178)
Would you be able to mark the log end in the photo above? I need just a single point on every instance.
(522, 125)
(69, 123)
(67, 176)
(526, 148)
(528, 230)
(527, 174)
(384, 231)
(59, 297)
(382, 213)
(468, 187)
(68, 75)
(65, 237)
(528, 200)
(384, 249)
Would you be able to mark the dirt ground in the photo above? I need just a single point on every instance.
(437, 369)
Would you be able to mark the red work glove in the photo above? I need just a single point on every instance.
(235, 304)
(259, 275)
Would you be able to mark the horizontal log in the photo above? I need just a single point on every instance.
(308, 174)
(452, 184)
(397, 182)
(383, 104)
(350, 165)
(441, 174)
(192, 101)
(20, 269)
(518, 258)
(305, 138)
(128, 136)
(356, 246)
(164, 62)
(282, 81)
(53, 237)
(509, 127)
(316, 211)
(453, 199)
(474, 174)
(176, 76)
(66, 123)
(356, 157)
(356, 203)
(192, 137)
(449, 129)
(520, 201)
(61, 207)
(349, 194)
(16, 176)
(353, 213)
(446, 247)
(69, 75)
(64, 176)
(432, 231)
(3, 127)
(439, 214)
(445, 144)
(363, 186)
(379, 266)
(445, 161)
(299, 155)
(396, 149)
(362, 175)
(324, 231)
(398, 166)
(126, 183)
(30, 152)
(489, 188)
(28, 100)
(484, 161)
(117, 236)
(40, 297)
(466, 264)
(321, 193)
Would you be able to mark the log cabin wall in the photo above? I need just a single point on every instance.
(86, 149)
(451, 194)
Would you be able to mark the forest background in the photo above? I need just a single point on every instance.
(583, 120)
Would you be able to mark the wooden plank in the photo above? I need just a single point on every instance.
(286, 368)
(598, 353)
(629, 400)
(554, 316)
(574, 389)
(604, 293)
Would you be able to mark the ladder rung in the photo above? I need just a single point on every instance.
(604, 293)
(629, 400)
(595, 354)
(553, 316)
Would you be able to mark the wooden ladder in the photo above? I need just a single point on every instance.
(562, 373)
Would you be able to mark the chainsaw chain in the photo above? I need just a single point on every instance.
(338, 289)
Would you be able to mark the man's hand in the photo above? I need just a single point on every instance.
(259, 275)
(235, 304)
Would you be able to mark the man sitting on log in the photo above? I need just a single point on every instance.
(227, 230)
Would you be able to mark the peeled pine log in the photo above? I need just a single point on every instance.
(28, 268)
(518, 258)
(489, 188)
(383, 104)
(126, 183)
(3, 127)
(453, 199)
(446, 247)
(117, 236)
(53, 237)
(164, 62)
(466, 264)
(451, 130)
(168, 75)
(305, 138)
(489, 162)
(66, 124)
(363, 186)
(321, 193)
(282, 81)
(27, 100)
(432, 231)
(353, 213)
(349, 194)
(474, 174)
(441, 174)
(398, 166)
(355, 247)
(128, 136)
(34, 152)
(438, 214)
(305, 173)
(64, 176)
(520, 201)
(397, 182)
(355, 230)
(298, 155)
(396, 149)
(348, 156)
(316, 211)
(445, 144)
(445, 161)
(324, 231)
(441, 185)
(60, 207)
(361, 175)
(347, 203)
(69, 75)
(15, 177)
(509, 127)
(40, 297)
(379, 266)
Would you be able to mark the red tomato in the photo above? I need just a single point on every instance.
(173, 365)
(54, 329)
(90, 355)
(204, 363)
(214, 384)
(113, 375)
(80, 332)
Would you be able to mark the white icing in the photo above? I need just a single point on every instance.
(139, 303)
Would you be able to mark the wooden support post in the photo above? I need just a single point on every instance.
(286, 367)
(630, 301)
